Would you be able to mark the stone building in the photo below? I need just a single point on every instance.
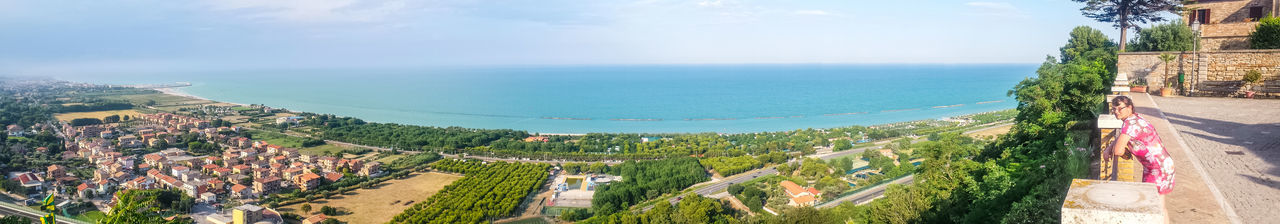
(1224, 55)
(1226, 24)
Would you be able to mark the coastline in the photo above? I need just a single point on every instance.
(175, 91)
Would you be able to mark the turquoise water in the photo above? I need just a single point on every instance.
(580, 99)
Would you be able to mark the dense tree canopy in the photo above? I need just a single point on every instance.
(646, 180)
(1127, 14)
(149, 206)
(487, 191)
(1267, 34)
(1173, 36)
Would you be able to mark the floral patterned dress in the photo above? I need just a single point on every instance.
(1147, 147)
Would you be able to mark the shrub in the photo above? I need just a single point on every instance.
(330, 211)
(1252, 77)
(85, 121)
(1267, 34)
(1164, 37)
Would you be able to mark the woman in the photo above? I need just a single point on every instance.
(1143, 142)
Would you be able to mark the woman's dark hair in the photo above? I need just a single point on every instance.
(1121, 99)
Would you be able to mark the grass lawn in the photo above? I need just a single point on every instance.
(160, 98)
(534, 220)
(325, 149)
(278, 139)
(555, 210)
(67, 117)
(376, 205)
(242, 108)
(999, 130)
(389, 158)
(91, 216)
(856, 157)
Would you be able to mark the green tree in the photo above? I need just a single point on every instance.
(326, 210)
(1267, 34)
(841, 145)
(85, 121)
(1172, 36)
(13, 219)
(111, 119)
(306, 209)
(1166, 58)
(1127, 14)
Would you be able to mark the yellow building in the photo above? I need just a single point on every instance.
(247, 214)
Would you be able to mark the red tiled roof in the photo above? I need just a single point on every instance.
(27, 177)
(333, 176)
(309, 177)
(238, 188)
(791, 187)
(805, 199)
(268, 179)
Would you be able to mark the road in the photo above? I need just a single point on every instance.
(12, 209)
(869, 194)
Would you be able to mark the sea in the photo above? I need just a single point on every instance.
(616, 98)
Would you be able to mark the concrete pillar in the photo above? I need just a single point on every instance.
(1098, 201)
(1121, 85)
(1112, 167)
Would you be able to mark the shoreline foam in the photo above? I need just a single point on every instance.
(176, 91)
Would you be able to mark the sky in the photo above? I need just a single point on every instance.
(60, 36)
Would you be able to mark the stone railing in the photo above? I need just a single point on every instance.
(1116, 195)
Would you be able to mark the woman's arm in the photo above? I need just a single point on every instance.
(1118, 147)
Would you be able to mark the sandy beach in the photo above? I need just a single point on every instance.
(177, 91)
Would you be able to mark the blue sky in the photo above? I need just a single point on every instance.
(57, 36)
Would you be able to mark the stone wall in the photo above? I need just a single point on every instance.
(1225, 43)
(1229, 11)
(1224, 65)
(1228, 29)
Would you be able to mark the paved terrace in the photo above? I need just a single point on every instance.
(1195, 197)
(1237, 143)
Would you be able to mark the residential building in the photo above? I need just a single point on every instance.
(800, 196)
(1226, 24)
(247, 214)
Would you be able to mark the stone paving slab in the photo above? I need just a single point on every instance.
(1237, 141)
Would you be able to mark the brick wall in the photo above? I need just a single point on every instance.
(1224, 65)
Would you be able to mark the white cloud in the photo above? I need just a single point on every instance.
(711, 3)
(312, 10)
(998, 9)
(813, 12)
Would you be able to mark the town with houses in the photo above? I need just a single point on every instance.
(245, 171)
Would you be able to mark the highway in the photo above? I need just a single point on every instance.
(869, 194)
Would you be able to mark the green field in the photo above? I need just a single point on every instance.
(242, 108)
(555, 210)
(91, 216)
(160, 98)
(856, 157)
(278, 139)
(325, 149)
(389, 158)
(535, 220)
